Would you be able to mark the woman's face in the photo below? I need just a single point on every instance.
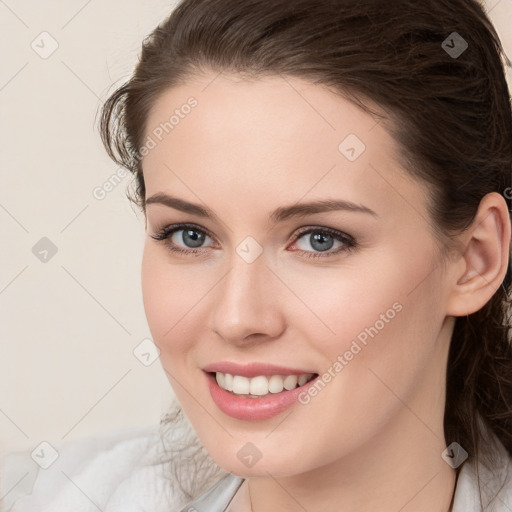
(349, 289)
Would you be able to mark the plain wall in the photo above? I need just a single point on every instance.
(69, 325)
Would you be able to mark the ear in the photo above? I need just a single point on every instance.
(482, 264)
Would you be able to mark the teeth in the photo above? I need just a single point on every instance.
(241, 385)
(290, 381)
(261, 385)
(228, 382)
(275, 384)
(303, 379)
(221, 380)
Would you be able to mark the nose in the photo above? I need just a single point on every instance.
(247, 305)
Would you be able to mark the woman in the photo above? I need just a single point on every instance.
(326, 188)
(326, 271)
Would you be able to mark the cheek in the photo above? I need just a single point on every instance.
(363, 295)
(385, 321)
(385, 315)
(170, 295)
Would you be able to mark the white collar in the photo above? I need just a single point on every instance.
(495, 485)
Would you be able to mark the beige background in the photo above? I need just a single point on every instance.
(69, 325)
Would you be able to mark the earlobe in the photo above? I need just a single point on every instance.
(484, 261)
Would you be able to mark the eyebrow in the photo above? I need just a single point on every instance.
(279, 215)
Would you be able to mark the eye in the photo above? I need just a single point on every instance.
(322, 240)
(189, 235)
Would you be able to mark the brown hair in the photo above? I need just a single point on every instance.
(451, 118)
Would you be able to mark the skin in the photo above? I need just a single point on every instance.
(372, 438)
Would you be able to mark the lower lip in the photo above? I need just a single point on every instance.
(253, 409)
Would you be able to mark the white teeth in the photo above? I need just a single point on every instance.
(290, 381)
(228, 382)
(220, 379)
(275, 384)
(241, 385)
(261, 385)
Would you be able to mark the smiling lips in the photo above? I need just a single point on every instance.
(255, 391)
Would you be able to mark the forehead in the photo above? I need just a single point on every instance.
(274, 109)
(271, 134)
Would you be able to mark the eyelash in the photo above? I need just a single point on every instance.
(349, 243)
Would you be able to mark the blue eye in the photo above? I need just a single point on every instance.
(192, 238)
(323, 239)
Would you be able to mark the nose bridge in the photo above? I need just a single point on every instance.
(244, 303)
(245, 278)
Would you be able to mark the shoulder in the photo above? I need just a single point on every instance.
(118, 471)
(486, 486)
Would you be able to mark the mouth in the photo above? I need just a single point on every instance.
(257, 390)
(257, 397)
(260, 386)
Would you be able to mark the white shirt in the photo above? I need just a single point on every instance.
(122, 472)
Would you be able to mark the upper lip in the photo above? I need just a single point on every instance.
(253, 369)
